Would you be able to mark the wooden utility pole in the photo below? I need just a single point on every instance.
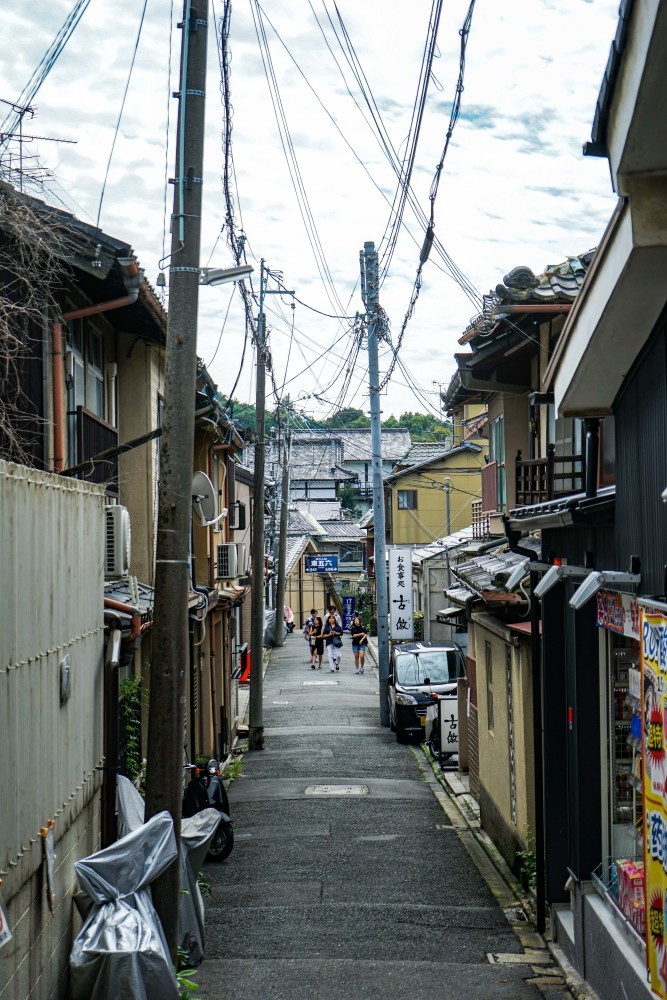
(164, 780)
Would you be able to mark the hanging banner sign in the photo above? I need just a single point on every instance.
(348, 612)
(5, 933)
(654, 760)
(401, 619)
(618, 613)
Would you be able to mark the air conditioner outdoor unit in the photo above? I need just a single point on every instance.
(117, 557)
(227, 562)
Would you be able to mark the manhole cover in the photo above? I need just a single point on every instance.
(337, 790)
(319, 683)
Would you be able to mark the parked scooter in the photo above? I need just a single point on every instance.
(206, 790)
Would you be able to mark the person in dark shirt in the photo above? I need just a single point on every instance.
(316, 642)
(359, 643)
(332, 629)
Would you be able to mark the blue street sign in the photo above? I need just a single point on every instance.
(348, 611)
(321, 564)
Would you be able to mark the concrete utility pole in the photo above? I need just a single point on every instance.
(279, 631)
(164, 780)
(368, 259)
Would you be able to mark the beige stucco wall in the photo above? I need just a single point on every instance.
(509, 832)
(515, 410)
(140, 380)
(429, 520)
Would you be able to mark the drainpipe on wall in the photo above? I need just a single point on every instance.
(111, 750)
(592, 427)
(133, 278)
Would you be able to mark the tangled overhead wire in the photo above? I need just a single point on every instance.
(429, 235)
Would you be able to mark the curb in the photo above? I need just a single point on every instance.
(469, 822)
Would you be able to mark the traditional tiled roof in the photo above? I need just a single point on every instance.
(342, 531)
(404, 470)
(296, 546)
(357, 443)
(487, 574)
(423, 451)
(558, 284)
(299, 522)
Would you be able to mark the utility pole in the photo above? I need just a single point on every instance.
(256, 717)
(164, 780)
(279, 631)
(368, 260)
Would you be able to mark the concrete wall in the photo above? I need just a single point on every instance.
(52, 538)
(506, 776)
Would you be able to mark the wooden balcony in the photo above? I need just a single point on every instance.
(541, 479)
(93, 436)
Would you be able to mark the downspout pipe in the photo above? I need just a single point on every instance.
(111, 736)
(133, 278)
(128, 609)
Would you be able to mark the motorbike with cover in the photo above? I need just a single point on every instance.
(205, 790)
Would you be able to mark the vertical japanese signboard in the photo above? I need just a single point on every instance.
(401, 620)
(654, 706)
(348, 612)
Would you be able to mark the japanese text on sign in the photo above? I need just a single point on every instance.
(401, 618)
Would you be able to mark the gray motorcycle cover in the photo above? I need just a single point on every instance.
(120, 951)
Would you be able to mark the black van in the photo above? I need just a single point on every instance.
(418, 670)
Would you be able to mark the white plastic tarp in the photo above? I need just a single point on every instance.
(121, 951)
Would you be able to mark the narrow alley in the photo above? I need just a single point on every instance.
(348, 877)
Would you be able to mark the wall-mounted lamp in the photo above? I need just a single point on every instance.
(219, 275)
(520, 571)
(596, 581)
(555, 574)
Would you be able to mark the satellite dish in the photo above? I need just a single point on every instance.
(203, 498)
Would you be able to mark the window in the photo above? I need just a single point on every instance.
(607, 451)
(497, 455)
(407, 499)
(489, 687)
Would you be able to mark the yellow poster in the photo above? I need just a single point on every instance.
(654, 756)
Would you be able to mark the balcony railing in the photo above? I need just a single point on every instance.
(93, 436)
(363, 489)
(540, 479)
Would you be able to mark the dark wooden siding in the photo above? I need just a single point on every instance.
(641, 464)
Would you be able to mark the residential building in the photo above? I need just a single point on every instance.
(83, 431)
(603, 664)
(433, 498)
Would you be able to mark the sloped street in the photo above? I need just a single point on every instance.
(348, 877)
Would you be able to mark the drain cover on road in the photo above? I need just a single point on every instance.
(318, 683)
(336, 790)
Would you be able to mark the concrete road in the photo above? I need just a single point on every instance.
(348, 878)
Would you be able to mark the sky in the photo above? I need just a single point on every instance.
(515, 187)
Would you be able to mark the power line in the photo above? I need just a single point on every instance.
(122, 107)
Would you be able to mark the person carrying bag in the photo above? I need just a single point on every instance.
(333, 637)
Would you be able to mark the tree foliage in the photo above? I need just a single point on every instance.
(422, 426)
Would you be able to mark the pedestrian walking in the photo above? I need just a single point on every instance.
(316, 642)
(306, 631)
(359, 643)
(332, 611)
(332, 634)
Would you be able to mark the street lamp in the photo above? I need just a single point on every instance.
(221, 275)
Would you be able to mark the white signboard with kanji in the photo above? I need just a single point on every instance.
(401, 619)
